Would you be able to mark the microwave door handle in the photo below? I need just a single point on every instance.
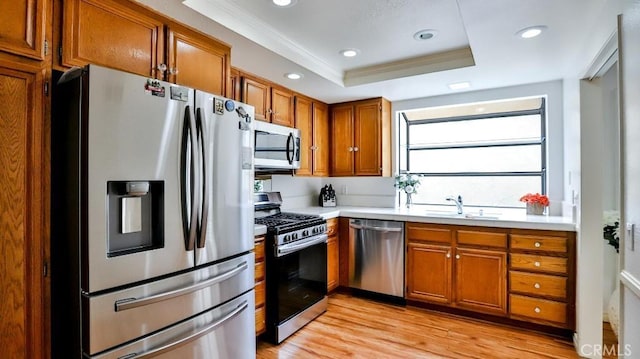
(205, 188)
(187, 181)
(290, 140)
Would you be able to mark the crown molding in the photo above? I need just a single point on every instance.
(226, 12)
(442, 61)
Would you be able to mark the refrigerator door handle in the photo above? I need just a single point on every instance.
(130, 303)
(205, 189)
(188, 172)
(204, 331)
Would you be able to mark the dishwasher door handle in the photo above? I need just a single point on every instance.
(375, 228)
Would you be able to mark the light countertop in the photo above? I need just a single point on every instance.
(490, 217)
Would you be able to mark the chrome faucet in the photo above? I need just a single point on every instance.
(457, 201)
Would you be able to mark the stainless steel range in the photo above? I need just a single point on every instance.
(296, 266)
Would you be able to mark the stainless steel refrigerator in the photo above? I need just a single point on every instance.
(152, 220)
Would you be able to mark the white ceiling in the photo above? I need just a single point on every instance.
(475, 42)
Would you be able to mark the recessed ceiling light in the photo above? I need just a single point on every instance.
(531, 32)
(349, 52)
(284, 3)
(425, 34)
(460, 85)
(293, 76)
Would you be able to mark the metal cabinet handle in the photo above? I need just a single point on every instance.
(537, 244)
(209, 328)
(537, 264)
(536, 286)
(457, 256)
(130, 303)
(537, 310)
(350, 149)
(356, 149)
(162, 67)
(448, 254)
(173, 71)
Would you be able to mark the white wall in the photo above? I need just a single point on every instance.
(555, 149)
(630, 113)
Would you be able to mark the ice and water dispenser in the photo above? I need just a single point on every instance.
(135, 210)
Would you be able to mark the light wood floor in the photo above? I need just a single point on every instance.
(359, 328)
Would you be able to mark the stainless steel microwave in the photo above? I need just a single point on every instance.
(276, 147)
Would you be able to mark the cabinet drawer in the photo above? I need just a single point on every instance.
(429, 232)
(261, 324)
(259, 271)
(259, 250)
(260, 293)
(539, 243)
(540, 309)
(482, 238)
(539, 263)
(332, 227)
(538, 284)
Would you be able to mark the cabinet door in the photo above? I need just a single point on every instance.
(429, 272)
(113, 35)
(304, 123)
(342, 141)
(198, 62)
(282, 107)
(481, 280)
(367, 139)
(256, 94)
(320, 139)
(22, 204)
(23, 27)
(332, 263)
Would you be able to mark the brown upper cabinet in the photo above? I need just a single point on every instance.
(196, 61)
(23, 27)
(361, 138)
(272, 103)
(235, 91)
(121, 35)
(312, 119)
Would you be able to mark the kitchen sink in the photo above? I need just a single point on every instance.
(468, 215)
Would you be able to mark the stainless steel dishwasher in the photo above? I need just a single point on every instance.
(376, 256)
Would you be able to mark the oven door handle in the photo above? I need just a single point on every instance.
(130, 303)
(294, 247)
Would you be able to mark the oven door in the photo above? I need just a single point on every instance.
(296, 280)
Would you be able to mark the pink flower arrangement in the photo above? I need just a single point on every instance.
(537, 198)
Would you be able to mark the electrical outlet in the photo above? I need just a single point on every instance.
(631, 236)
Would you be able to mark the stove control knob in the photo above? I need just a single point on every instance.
(287, 238)
(315, 230)
(305, 233)
(294, 236)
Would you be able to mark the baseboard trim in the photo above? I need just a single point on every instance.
(630, 282)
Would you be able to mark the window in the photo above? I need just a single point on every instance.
(490, 153)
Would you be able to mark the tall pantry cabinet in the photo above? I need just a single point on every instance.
(25, 38)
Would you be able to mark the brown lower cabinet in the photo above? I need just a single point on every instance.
(524, 275)
(462, 267)
(260, 286)
(333, 258)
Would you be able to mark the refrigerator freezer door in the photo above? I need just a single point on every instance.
(218, 333)
(127, 314)
(133, 132)
(227, 205)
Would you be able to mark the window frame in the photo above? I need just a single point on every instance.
(541, 111)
